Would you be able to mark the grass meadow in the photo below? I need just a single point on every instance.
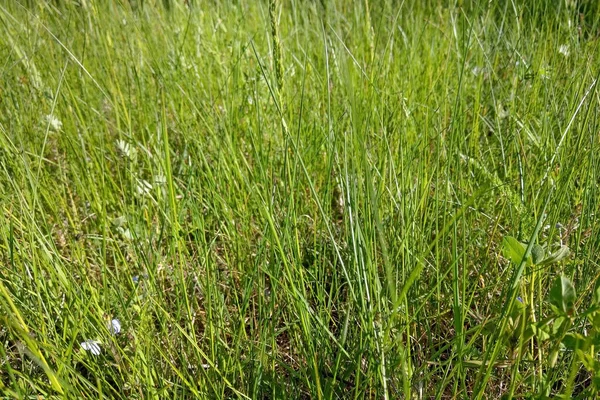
(299, 199)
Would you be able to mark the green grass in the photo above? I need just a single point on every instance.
(296, 199)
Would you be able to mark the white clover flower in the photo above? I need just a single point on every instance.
(114, 326)
(93, 346)
(564, 50)
(53, 122)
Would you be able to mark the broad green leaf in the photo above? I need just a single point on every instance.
(541, 332)
(589, 362)
(552, 357)
(529, 333)
(574, 341)
(558, 255)
(513, 249)
(558, 323)
(537, 253)
(562, 295)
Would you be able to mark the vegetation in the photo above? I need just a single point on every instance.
(299, 199)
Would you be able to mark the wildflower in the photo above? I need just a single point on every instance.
(477, 70)
(143, 187)
(93, 346)
(501, 111)
(564, 50)
(126, 150)
(160, 179)
(519, 299)
(114, 326)
(137, 278)
(53, 122)
(125, 233)
(521, 63)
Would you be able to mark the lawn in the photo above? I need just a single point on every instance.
(299, 199)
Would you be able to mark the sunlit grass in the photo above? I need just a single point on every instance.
(318, 214)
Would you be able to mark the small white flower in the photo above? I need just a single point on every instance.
(522, 64)
(502, 113)
(160, 179)
(126, 149)
(143, 187)
(93, 346)
(114, 326)
(477, 70)
(125, 232)
(123, 147)
(53, 122)
(564, 50)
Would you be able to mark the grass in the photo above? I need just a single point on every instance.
(298, 199)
